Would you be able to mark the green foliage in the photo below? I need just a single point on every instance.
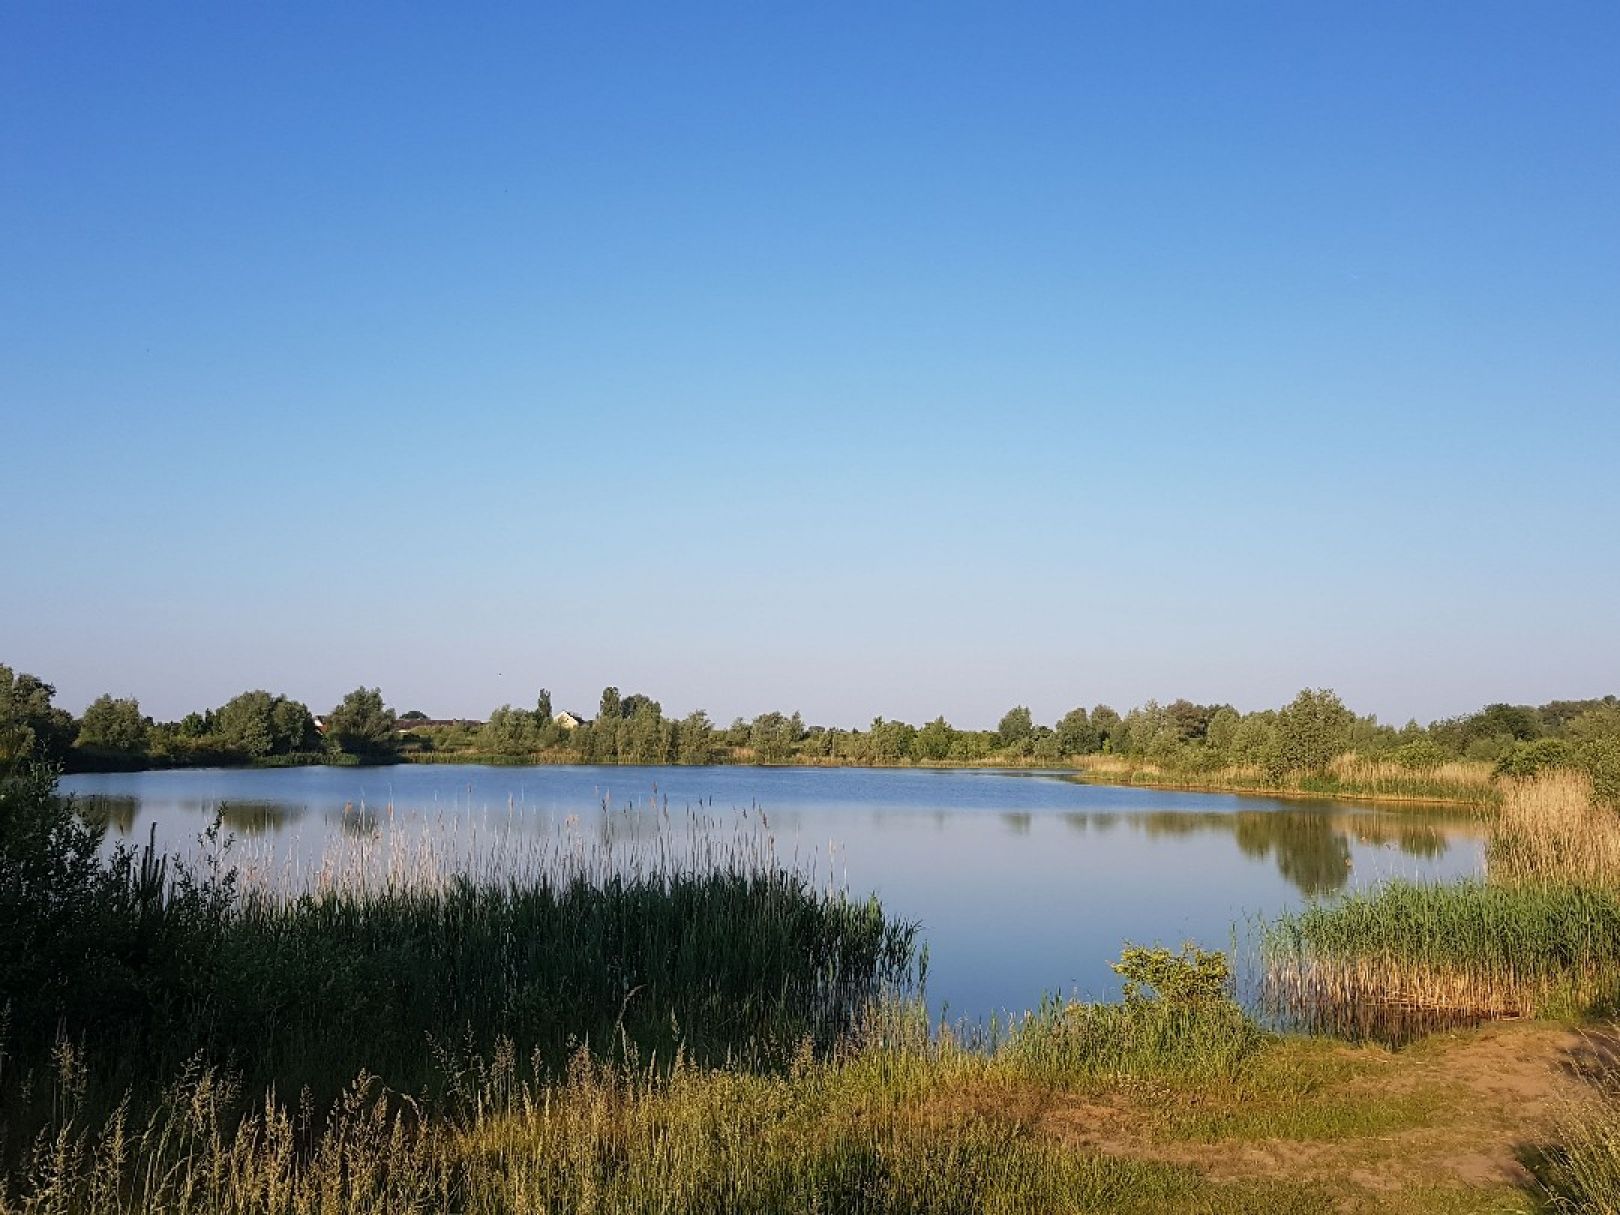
(1075, 734)
(361, 725)
(1312, 731)
(1419, 755)
(1595, 742)
(257, 724)
(114, 725)
(1528, 759)
(1178, 1022)
(1015, 726)
(509, 731)
(30, 725)
(1193, 976)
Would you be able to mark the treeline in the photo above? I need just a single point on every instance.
(1304, 736)
(256, 727)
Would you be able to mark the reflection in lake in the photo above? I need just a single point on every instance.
(115, 812)
(1311, 847)
(1025, 883)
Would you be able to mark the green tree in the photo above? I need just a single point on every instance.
(30, 725)
(1222, 733)
(508, 731)
(1312, 731)
(292, 726)
(933, 742)
(1074, 734)
(246, 724)
(362, 725)
(891, 741)
(611, 706)
(1106, 723)
(1015, 727)
(1595, 737)
(646, 737)
(695, 739)
(114, 725)
(542, 705)
(772, 737)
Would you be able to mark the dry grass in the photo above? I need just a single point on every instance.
(1350, 776)
(1551, 828)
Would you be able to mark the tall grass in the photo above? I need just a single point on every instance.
(1541, 936)
(1467, 946)
(661, 944)
(894, 1119)
(1581, 1171)
(1552, 828)
(1349, 776)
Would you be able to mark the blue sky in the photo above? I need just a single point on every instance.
(896, 360)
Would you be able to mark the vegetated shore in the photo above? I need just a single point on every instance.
(628, 1034)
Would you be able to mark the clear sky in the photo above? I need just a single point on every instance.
(865, 359)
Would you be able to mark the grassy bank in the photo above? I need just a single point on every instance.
(1349, 777)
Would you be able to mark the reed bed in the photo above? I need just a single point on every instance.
(652, 936)
(1551, 828)
(1539, 936)
(1348, 776)
(1466, 947)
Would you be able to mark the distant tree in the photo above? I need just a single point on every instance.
(933, 742)
(646, 738)
(1015, 726)
(361, 724)
(695, 739)
(412, 715)
(635, 703)
(29, 723)
(246, 725)
(1190, 721)
(772, 737)
(1222, 732)
(891, 741)
(114, 724)
(196, 725)
(1595, 739)
(1074, 734)
(542, 705)
(1312, 731)
(508, 731)
(1106, 723)
(611, 706)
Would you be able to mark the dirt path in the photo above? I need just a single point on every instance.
(1457, 1110)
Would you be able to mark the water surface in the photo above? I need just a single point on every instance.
(1025, 883)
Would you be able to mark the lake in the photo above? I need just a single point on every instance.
(1025, 883)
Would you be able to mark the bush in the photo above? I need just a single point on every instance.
(1533, 758)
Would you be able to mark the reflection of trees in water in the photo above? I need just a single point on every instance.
(1311, 853)
(117, 814)
(1018, 822)
(1414, 839)
(254, 818)
(1312, 847)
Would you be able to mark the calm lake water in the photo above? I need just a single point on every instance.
(1025, 883)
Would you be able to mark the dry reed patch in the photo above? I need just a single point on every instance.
(1551, 828)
